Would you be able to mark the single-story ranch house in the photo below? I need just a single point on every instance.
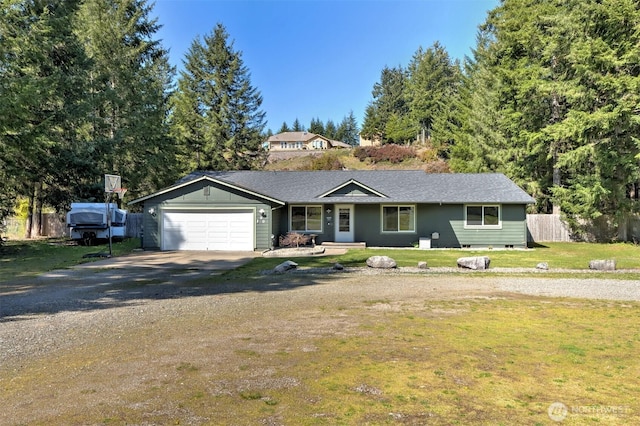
(250, 210)
(298, 141)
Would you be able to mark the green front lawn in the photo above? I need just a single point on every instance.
(556, 255)
(30, 258)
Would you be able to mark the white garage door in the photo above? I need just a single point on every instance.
(214, 230)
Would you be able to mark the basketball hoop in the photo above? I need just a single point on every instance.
(120, 192)
(112, 183)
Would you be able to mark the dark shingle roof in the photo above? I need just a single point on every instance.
(398, 186)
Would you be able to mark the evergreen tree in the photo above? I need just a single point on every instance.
(347, 130)
(284, 128)
(567, 80)
(330, 130)
(128, 96)
(217, 118)
(42, 103)
(431, 86)
(297, 127)
(472, 128)
(372, 127)
(316, 126)
(388, 99)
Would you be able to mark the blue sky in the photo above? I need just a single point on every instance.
(321, 58)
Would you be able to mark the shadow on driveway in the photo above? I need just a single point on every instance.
(133, 279)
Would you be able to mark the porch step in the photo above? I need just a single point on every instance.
(344, 245)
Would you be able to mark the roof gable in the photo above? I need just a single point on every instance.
(187, 182)
(352, 188)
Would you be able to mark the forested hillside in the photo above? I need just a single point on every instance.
(550, 97)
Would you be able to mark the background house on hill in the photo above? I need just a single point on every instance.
(375, 141)
(299, 141)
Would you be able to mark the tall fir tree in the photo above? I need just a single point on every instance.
(296, 126)
(388, 104)
(347, 130)
(431, 88)
(42, 103)
(316, 126)
(330, 129)
(567, 86)
(472, 128)
(128, 96)
(284, 128)
(217, 119)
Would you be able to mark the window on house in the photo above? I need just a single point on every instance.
(482, 216)
(306, 218)
(398, 219)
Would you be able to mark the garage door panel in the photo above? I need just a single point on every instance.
(220, 230)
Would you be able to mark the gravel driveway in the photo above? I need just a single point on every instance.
(68, 309)
(33, 311)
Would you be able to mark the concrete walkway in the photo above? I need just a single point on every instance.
(203, 260)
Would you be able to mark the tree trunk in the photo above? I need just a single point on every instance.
(556, 180)
(27, 228)
(36, 222)
(555, 145)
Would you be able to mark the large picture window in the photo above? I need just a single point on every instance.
(306, 218)
(398, 218)
(482, 217)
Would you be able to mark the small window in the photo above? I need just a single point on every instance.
(398, 219)
(482, 217)
(306, 218)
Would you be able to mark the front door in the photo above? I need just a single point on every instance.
(344, 223)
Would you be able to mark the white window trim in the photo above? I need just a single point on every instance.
(498, 226)
(415, 214)
(306, 231)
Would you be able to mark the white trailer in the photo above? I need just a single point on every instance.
(92, 222)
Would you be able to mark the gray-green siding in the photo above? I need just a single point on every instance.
(446, 220)
(205, 196)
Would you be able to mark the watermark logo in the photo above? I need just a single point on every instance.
(558, 411)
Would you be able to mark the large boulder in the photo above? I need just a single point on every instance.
(603, 265)
(475, 263)
(285, 266)
(383, 262)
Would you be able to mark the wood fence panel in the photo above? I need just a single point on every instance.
(547, 228)
(134, 225)
(53, 226)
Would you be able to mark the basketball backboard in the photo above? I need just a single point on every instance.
(112, 183)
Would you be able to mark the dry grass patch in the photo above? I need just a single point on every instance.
(492, 360)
